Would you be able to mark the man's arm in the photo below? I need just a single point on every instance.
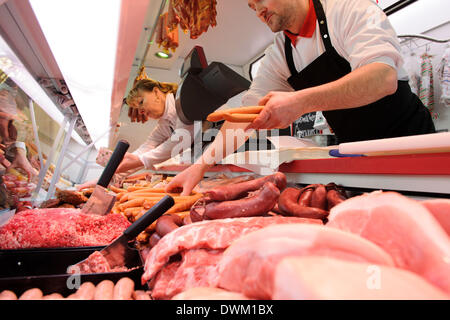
(360, 87)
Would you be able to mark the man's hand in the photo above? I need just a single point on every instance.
(137, 115)
(281, 109)
(21, 161)
(130, 161)
(186, 180)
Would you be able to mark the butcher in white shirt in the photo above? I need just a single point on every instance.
(341, 57)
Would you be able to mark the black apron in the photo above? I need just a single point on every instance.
(399, 114)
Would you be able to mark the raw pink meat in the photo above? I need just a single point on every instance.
(401, 226)
(248, 265)
(440, 209)
(208, 293)
(58, 227)
(333, 279)
(96, 263)
(212, 234)
(198, 268)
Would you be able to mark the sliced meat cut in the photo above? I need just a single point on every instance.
(401, 226)
(56, 227)
(248, 265)
(207, 293)
(198, 267)
(323, 278)
(440, 209)
(213, 234)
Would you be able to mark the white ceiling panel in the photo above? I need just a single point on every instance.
(238, 37)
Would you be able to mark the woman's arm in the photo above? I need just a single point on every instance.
(216, 151)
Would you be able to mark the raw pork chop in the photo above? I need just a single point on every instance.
(209, 234)
(333, 279)
(57, 227)
(440, 209)
(248, 265)
(207, 293)
(401, 226)
(198, 267)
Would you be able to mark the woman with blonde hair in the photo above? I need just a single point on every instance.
(154, 100)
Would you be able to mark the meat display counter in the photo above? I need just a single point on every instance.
(427, 173)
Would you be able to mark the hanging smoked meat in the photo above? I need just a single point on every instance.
(166, 37)
(193, 15)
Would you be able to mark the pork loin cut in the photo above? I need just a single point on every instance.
(440, 209)
(211, 234)
(248, 265)
(401, 226)
(327, 278)
(208, 293)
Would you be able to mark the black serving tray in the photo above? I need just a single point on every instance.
(46, 269)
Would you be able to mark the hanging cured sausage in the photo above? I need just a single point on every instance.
(192, 15)
(165, 37)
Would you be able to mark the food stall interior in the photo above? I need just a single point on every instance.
(69, 79)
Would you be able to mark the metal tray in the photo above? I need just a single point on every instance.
(46, 269)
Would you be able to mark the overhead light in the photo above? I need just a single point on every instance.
(11, 65)
(83, 40)
(163, 55)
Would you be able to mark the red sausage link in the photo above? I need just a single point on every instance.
(289, 199)
(165, 224)
(258, 204)
(334, 197)
(305, 197)
(176, 219)
(276, 209)
(154, 238)
(239, 190)
(288, 204)
(187, 220)
(198, 209)
(319, 198)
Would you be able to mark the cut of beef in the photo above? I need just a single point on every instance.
(403, 227)
(248, 265)
(55, 227)
(321, 278)
(214, 234)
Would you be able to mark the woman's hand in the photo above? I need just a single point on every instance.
(130, 161)
(281, 109)
(88, 184)
(186, 180)
(21, 161)
(137, 115)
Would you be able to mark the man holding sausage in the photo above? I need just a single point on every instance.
(341, 57)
